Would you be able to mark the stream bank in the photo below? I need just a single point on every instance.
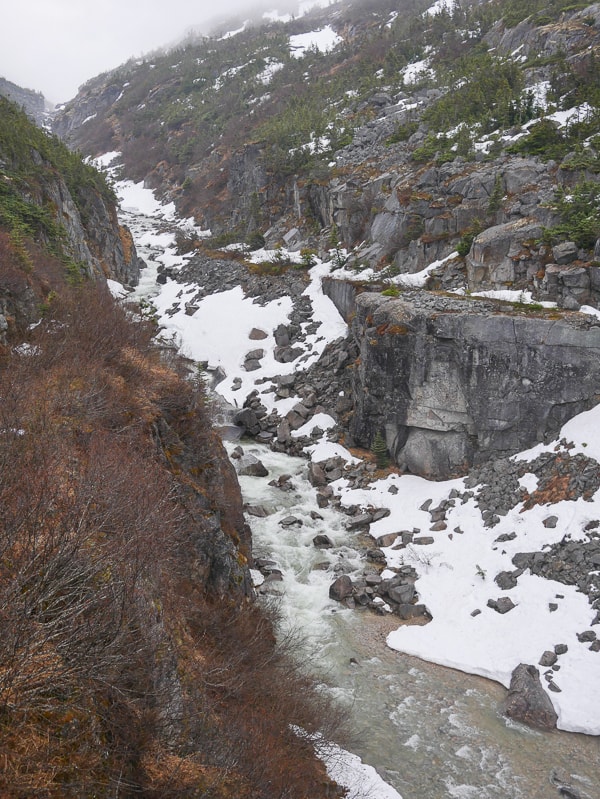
(430, 731)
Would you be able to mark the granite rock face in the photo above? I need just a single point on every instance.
(452, 383)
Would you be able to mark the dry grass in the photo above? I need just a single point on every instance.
(131, 662)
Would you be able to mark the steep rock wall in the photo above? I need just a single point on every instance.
(454, 382)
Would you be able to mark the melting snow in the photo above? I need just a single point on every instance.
(457, 571)
(322, 40)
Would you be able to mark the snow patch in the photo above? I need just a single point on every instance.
(322, 40)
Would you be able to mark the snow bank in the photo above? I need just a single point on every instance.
(322, 40)
(457, 576)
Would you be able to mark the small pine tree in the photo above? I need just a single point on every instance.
(380, 450)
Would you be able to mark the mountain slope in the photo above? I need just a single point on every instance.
(58, 221)
(401, 133)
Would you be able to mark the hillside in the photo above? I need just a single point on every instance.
(33, 103)
(396, 131)
(133, 660)
(58, 221)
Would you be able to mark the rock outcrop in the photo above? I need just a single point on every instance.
(33, 103)
(453, 382)
(527, 701)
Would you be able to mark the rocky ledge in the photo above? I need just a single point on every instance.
(452, 382)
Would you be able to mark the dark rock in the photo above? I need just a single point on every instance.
(506, 537)
(284, 432)
(341, 588)
(402, 594)
(527, 701)
(251, 466)
(291, 521)
(587, 636)
(322, 541)
(502, 605)
(387, 540)
(256, 510)
(561, 649)
(257, 335)
(247, 419)
(362, 520)
(438, 527)
(424, 540)
(548, 659)
(322, 499)
(505, 580)
(550, 522)
(316, 475)
(408, 612)
(282, 336)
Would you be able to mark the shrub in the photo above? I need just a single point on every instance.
(380, 450)
(129, 661)
(579, 209)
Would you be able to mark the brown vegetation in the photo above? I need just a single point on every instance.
(132, 661)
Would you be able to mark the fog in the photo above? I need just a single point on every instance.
(54, 46)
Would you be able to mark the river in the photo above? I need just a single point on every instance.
(431, 732)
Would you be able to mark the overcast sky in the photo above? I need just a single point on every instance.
(54, 46)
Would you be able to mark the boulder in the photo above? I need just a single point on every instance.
(501, 605)
(408, 612)
(341, 588)
(251, 466)
(362, 520)
(548, 659)
(402, 594)
(291, 521)
(322, 541)
(387, 540)
(256, 334)
(316, 475)
(565, 252)
(527, 701)
(505, 580)
(258, 511)
(247, 419)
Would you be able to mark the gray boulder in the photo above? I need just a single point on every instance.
(527, 701)
(341, 589)
(251, 466)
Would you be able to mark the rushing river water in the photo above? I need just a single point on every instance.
(431, 732)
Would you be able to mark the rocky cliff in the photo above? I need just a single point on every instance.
(453, 382)
(33, 103)
(58, 222)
